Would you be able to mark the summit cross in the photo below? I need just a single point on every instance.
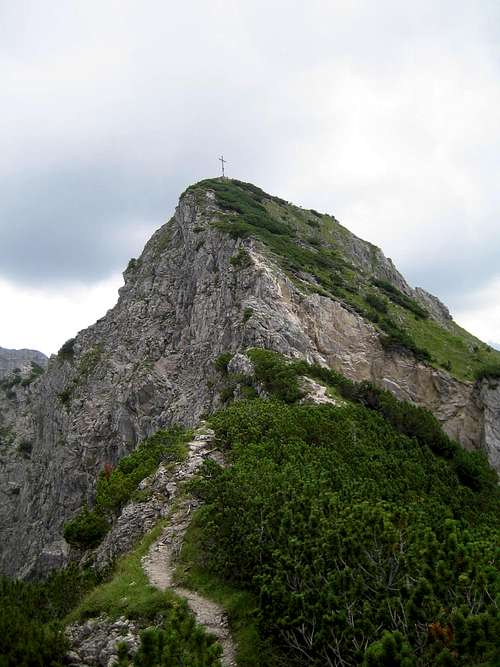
(222, 162)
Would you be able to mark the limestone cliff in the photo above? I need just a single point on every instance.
(205, 284)
(13, 359)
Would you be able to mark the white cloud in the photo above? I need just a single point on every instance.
(44, 320)
(384, 114)
(480, 312)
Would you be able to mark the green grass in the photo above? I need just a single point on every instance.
(307, 242)
(241, 606)
(116, 486)
(466, 354)
(170, 631)
(128, 592)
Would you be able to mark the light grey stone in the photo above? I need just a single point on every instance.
(12, 359)
(94, 643)
(145, 366)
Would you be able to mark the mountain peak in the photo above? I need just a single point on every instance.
(233, 269)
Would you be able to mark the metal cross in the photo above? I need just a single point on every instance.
(223, 162)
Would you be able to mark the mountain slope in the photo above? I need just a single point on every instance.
(234, 268)
(12, 359)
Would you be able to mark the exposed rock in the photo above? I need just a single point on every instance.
(11, 359)
(145, 366)
(490, 399)
(434, 306)
(316, 393)
(93, 643)
(135, 519)
(240, 363)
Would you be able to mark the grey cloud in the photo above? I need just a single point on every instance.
(111, 110)
(74, 224)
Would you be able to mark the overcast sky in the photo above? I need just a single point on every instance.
(384, 113)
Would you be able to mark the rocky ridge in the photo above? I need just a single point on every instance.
(93, 643)
(12, 359)
(149, 363)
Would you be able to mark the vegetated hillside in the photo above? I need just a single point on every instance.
(233, 268)
(351, 533)
(366, 535)
(320, 255)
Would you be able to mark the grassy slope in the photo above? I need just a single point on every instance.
(128, 592)
(466, 353)
(307, 242)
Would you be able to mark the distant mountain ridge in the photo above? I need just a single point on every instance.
(12, 359)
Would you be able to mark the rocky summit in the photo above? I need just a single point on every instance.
(272, 450)
(233, 269)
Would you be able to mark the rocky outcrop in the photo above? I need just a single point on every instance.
(12, 359)
(434, 306)
(94, 643)
(135, 519)
(490, 436)
(149, 363)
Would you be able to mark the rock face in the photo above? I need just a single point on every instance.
(149, 363)
(490, 436)
(94, 642)
(11, 359)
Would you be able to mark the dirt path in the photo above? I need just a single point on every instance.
(160, 561)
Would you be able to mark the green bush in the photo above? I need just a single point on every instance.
(67, 350)
(390, 651)
(376, 302)
(401, 299)
(488, 371)
(116, 486)
(345, 528)
(87, 529)
(25, 448)
(31, 631)
(247, 314)
(241, 260)
(276, 375)
(65, 396)
(179, 642)
(222, 362)
(226, 394)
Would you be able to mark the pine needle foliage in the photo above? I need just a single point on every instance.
(367, 535)
(31, 630)
(116, 485)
